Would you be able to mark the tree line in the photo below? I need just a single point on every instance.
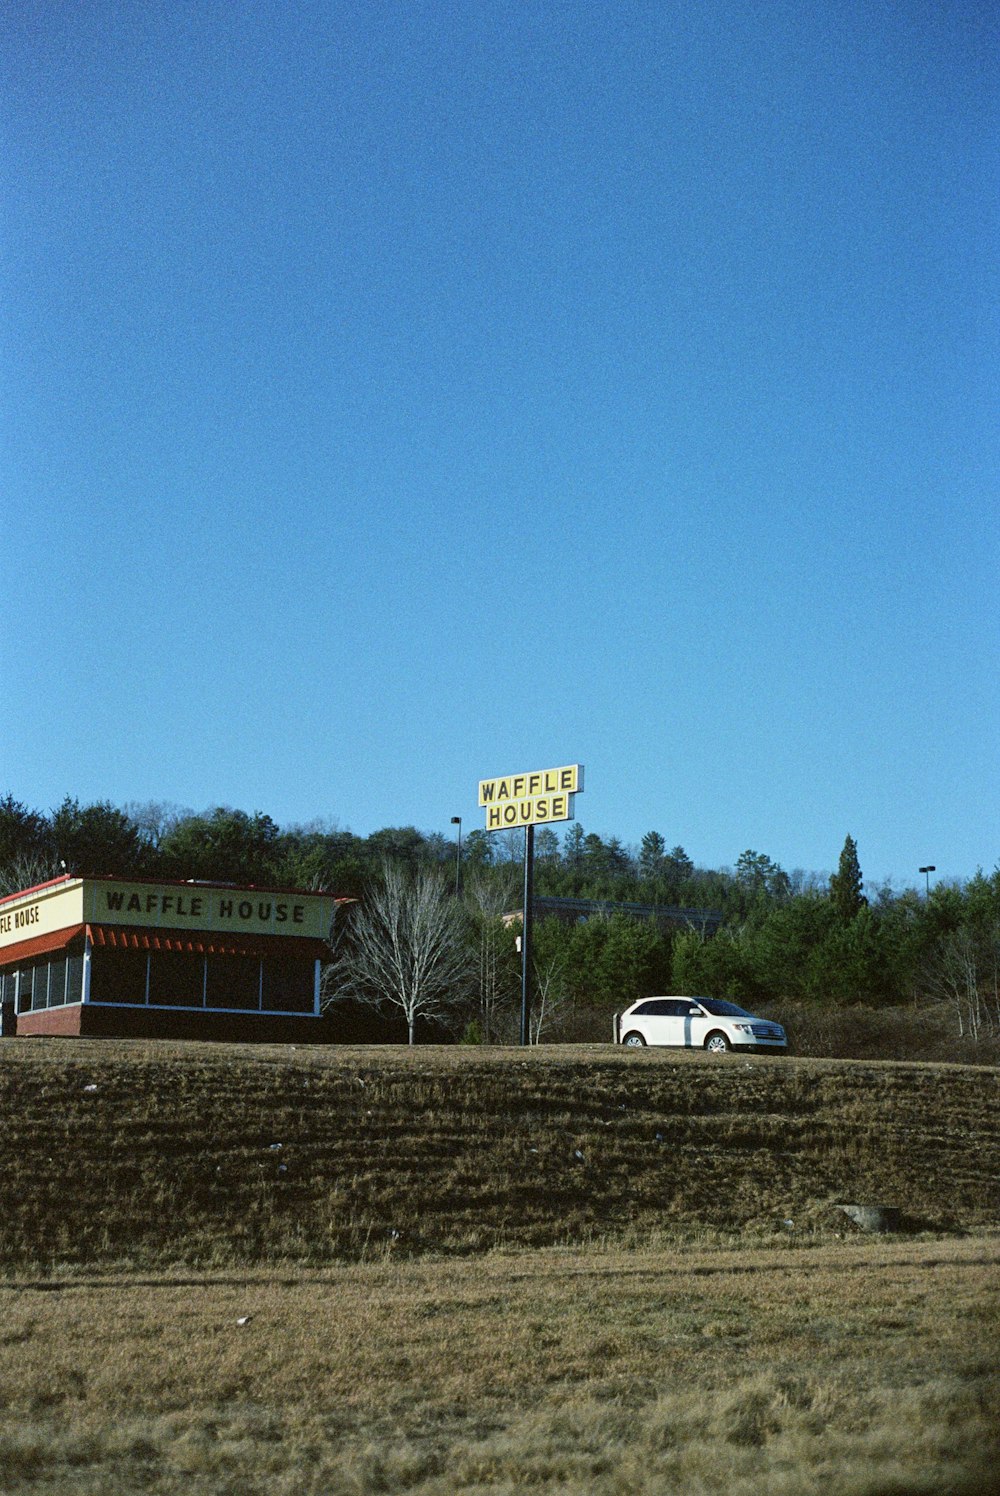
(781, 936)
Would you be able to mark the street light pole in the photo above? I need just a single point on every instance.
(930, 868)
(527, 926)
(457, 821)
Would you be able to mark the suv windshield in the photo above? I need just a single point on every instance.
(721, 1009)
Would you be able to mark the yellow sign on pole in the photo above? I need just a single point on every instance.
(530, 799)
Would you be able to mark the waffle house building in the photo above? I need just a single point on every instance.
(125, 957)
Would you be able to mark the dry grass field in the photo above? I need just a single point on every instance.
(227, 1269)
(859, 1367)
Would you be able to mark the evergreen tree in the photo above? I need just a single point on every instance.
(573, 840)
(96, 839)
(652, 852)
(679, 865)
(24, 833)
(225, 845)
(546, 845)
(617, 858)
(478, 849)
(845, 883)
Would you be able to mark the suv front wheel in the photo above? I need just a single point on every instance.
(717, 1043)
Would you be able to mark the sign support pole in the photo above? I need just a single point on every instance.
(527, 919)
(522, 800)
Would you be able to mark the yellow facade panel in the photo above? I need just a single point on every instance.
(41, 912)
(222, 911)
(174, 906)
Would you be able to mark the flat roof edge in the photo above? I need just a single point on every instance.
(67, 879)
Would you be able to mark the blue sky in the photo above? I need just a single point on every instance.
(396, 395)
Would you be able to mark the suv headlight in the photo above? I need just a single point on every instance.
(743, 1028)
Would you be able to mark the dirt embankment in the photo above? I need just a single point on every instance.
(152, 1154)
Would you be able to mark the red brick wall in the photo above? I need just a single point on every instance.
(50, 1021)
(148, 1023)
(160, 1023)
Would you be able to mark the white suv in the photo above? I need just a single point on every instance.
(696, 1022)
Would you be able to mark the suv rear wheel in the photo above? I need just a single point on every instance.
(633, 1040)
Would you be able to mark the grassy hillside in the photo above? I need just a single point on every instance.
(240, 1270)
(155, 1153)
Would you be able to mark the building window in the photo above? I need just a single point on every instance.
(289, 985)
(25, 989)
(170, 979)
(233, 982)
(176, 979)
(57, 983)
(48, 983)
(74, 978)
(118, 976)
(40, 986)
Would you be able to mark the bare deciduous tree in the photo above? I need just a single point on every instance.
(404, 948)
(508, 846)
(27, 871)
(155, 819)
(489, 899)
(551, 997)
(965, 973)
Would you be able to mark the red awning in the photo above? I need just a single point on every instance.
(38, 945)
(204, 942)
